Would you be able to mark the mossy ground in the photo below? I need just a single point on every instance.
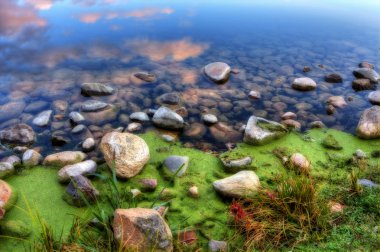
(208, 214)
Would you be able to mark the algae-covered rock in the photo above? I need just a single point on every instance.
(141, 229)
(173, 163)
(232, 163)
(126, 152)
(240, 185)
(330, 142)
(80, 191)
(6, 169)
(369, 123)
(260, 131)
(14, 228)
(61, 159)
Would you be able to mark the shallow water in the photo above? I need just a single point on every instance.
(49, 48)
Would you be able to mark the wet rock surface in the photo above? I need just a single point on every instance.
(240, 185)
(19, 134)
(96, 89)
(367, 73)
(304, 84)
(369, 124)
(260, 131)
(176, 165)
(218, 72)
(168, 119)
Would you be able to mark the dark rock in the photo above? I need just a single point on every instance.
(147, 77)
(330, 142)
(80, 188)
(21, 134)
(374, 97)
(59, 138)
(362, 84)
(306, 69)
(224, 133)
(89, 89)
(169, 98)
(367, 73)
(167, 119)
(333, 78)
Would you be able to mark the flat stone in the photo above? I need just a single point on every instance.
(64, 158)
(218, 72)
(96, 89)
(240, 185)
(11, 110)
(43, 118)
(94, 106)
(168, 119)
(222, 132)
(333, 78)
(304, 84)
(374, 97)
(139, 116)
(141, 229)
(82, 168)
(367, 73)
(369, 123)
(145, 76)
(260, 131)
(173, 163)
(126, 152)
(21, 134)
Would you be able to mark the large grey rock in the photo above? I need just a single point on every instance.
(141, 229)
(304, 84)
(374, 97)
(21, 134)
(94, 106)
(126, 152)
(31, 158)
(168, 119)
(83, 168)
(367, 73)
(173, 163)
(43, 118)
(260, 131)
(96, 89)
(369, 123)
(240, 185)
(218, 72)
(6, 169)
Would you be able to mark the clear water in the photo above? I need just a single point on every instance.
(48, 48)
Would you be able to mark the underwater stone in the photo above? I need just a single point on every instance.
(83, 168)
(209, 118)
(288, 115)
(126, 152)
(21, 134)
(173, 163)
(169, 98)
(43, 118)
(362, 84)
(218, 72)
(167, 119)
(99, 89)
(367, 73)
(254, 94)
(141, 229)
(369, 123)
(94, 106)
(374, 97)
(139, 116)
(134, 126)
(195, 130)
(333, 78)
(61, 159)
(260, 131)
(240, 185)
(304, 84)
(366, 64)
(76, 117)
(31, 158)
(337, 101)
(145, 76)
(6, 169)
(88, 144)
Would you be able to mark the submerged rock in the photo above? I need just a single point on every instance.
(173, 163)
(89, 89)
(366, 64)
(254, 94)
(145, 76)
(168, 119)
(221, 132)
(141, 229)
(260, 131)
(362, 84)
(79, 191)
(304, 84)
(76, 117)
(240, 185)
(369, 123)
(6, 169)
(333, 78)
(126, 152)
(367, 73)
(139, 116)
(61, 159)
(195, 130)
(374, 97)
(337, 101)
(21, 134)
(169, 98)
(59, 138)
(218, 72)
(82, 168)
(43, 118)
(94, 106)
(209, 118)
(88, 144)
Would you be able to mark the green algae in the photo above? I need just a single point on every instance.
(207, 214)
(330, 142)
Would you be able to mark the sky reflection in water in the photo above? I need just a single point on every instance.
(47, 46)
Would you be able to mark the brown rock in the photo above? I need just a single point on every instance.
(224, 133)
(64, 158)
(141, 229)
(362, 84)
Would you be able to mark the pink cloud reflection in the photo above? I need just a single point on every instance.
(90, 18)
